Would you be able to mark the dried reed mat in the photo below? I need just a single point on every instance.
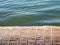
(30, 35)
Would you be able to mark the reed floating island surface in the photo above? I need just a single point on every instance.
(30, 35)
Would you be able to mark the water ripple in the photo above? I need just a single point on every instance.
(30, 12)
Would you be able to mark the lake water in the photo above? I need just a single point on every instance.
(29, 12)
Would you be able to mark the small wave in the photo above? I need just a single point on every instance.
(29, 12)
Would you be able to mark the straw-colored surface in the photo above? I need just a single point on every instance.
(30, 35)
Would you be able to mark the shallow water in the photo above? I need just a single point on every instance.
(29, 12)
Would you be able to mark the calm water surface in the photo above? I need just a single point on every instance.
(29, 12)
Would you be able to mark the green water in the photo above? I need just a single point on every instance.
(29, 12)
